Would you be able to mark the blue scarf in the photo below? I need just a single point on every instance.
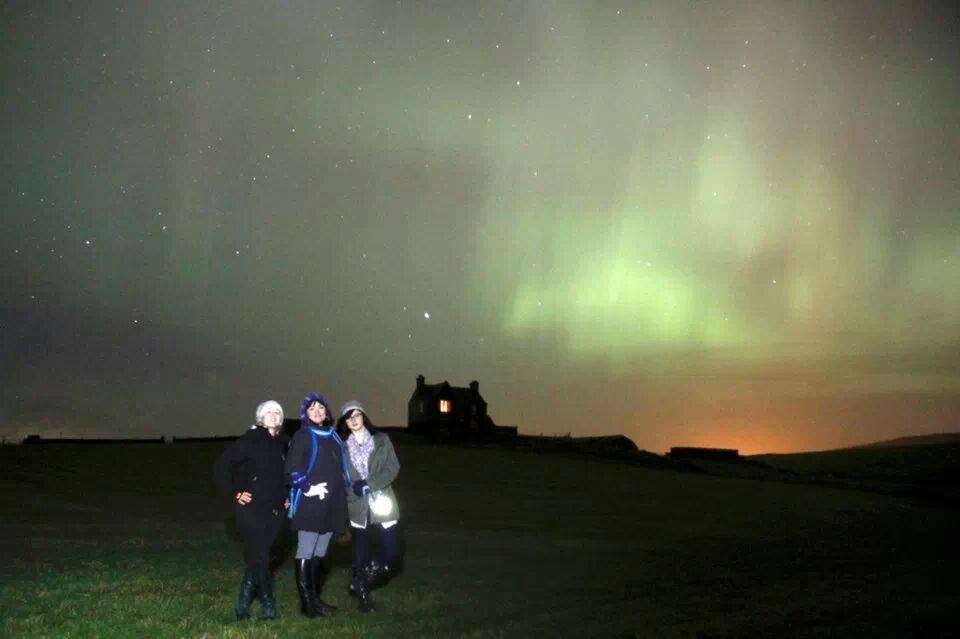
(299, 481)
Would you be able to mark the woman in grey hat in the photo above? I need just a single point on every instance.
(371, 501)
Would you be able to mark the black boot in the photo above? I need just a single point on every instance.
(360, 588)
(248, 590)
(308, 605)
(379, 574)
(319, 570)
(268, 603)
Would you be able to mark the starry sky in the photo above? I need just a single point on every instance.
(727, 224)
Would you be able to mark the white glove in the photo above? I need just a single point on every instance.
(317, 490)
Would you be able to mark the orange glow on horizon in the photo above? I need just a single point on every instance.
(755, 440)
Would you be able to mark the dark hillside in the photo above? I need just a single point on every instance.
(916, 440)
(914, 464)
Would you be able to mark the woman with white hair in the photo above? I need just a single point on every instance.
(251, 473)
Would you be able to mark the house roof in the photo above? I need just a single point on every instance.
(459, 394)
(431, 390)
(456, 393)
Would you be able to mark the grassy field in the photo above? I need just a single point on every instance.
(132, 541)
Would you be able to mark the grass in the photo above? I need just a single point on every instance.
(123, 541)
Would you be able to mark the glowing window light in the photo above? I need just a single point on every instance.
(444, 405)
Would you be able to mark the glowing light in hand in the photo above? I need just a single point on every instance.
(380, 504)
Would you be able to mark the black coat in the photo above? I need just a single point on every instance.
(314, 514)
(254, 464)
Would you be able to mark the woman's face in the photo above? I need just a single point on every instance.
(271, 421)
(355, 421)
(316, 413)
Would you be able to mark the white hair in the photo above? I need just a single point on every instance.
(268, 407)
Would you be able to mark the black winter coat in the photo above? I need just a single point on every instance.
(314, 514)
(254, 464)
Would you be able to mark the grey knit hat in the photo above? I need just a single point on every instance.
(351, 406)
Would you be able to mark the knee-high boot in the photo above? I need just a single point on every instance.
(360, 588)
(319, 570)
(308, 604)
(268, 603)
(248, 590)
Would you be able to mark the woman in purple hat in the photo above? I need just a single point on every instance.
(318, 507)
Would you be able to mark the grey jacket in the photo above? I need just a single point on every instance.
(383, 469)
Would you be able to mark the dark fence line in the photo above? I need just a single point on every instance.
(497, 433)
(36, 440)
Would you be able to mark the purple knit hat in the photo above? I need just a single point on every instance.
(305, 404)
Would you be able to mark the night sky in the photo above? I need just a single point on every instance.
(720, 224)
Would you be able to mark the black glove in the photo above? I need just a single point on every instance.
(360, 488)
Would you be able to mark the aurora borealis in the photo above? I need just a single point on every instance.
(720, 224)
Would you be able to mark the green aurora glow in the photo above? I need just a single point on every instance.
(734, 224)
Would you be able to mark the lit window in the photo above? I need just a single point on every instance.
(444, 405)
(420, 406)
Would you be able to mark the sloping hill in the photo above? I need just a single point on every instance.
(930, 472)
(915, 440)
(916, 464)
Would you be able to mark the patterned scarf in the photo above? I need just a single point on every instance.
(360, 453)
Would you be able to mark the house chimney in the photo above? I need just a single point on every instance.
(419, 381)
(475, 387)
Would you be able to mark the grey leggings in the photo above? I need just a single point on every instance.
(312, 544)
